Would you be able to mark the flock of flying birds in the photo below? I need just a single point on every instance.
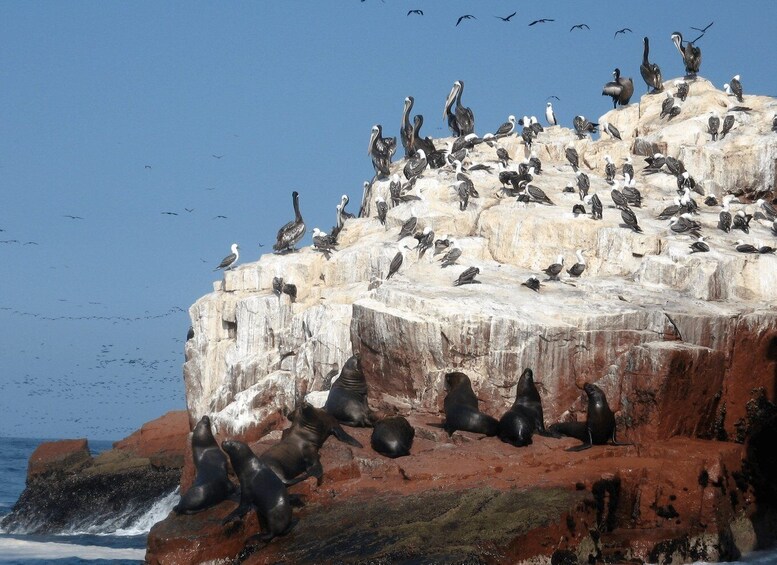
(422, 154)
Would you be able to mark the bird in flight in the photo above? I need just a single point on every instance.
(419, 12)
(579, 26)
(73, 217)
(171, 213)
(506, 18)
(219, 217)
(465, 17)
(551, 96)
(623, 31)
(705, 29)
(190, 210)
(541, 21)
(217, 156)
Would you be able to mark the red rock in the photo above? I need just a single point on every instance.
(163, 440)
(66, 455)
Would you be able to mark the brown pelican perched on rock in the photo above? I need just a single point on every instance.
(434, 158)
(651, 73)
(379, 151)
(620, 89)
(611, 130)
(461, 120)
(342, 215)
(425, 240)
(406, 130)
(609, 170)
(229, 261)
(690, 53)
(291, 233)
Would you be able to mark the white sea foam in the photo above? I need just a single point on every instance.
(11, 548)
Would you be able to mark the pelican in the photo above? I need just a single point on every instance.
(425, 144)
(620, 90)
(690, 53)
(550, 115)
(342, 215)
(229, 261)
(577, 269)
(651, 73)
(682, 89)
(406, 130)
(291, 233)
(461, 120)
(628, 167)
(377, 151)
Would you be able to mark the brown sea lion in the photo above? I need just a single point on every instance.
(347, 400)
(211, 484)
(599, 426)
(295, 457)
(461, 408)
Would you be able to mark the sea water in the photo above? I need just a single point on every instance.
(94, 544)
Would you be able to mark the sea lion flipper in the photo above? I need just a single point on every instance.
(296, 500)
(236, 514)
(549, 433)
(345, 437)
(581, 447)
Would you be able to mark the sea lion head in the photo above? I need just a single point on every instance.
(202, 431)
(238, 452)
(454, 379)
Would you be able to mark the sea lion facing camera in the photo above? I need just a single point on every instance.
(525, 415)
(295, 457)
(461, 408)
(347, 400)
(599, 426)
(261, 490)
(392, 437)
(211, 484)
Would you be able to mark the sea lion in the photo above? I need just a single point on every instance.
(525, 415)
(599, 426)
(261, 490)
(211, 484)
(295, 457)
(347, 400)
(461, 408)
(392, 437)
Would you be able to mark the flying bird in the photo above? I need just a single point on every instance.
(219, 217)
(465, 17)
(73, 217)
(541, 21)
(623, 31)
(170, 213)
(419, 12)
(506, 18)
(217, 156)
(705, 29)
(579, 26)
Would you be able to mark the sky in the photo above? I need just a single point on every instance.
(147, 121)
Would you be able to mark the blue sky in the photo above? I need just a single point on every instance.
(115, 112)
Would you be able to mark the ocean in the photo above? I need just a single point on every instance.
(95, 544)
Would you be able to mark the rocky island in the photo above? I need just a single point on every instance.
(683, 344)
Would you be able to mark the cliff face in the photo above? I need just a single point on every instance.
(679, 342)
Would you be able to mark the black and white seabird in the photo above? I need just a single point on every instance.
(618, 199)
(324, 242)
(396, 263)
(537, 194)
(741, 221)
(620, 89)
(724, 218)
(713, 125)
(631, 194)
(682, 90)
(610, 129)
(630, 219)
(441, 245)
(728, 123)
(685, 224)
(609, 170)
(277, 286)
(550, 115)
(736, 88)
(765, 248)
(292, 232)
(768, 209)
(467, 277)
(554, 269)
(578, 209)
(577, 269)
(596, 206)
(690, 53)
(229, 261)
(774, 123)
(571, 154)
(628, 168)
(461, 120)
(503, 155)
(406, 130)
(583, 127)
(666, 105)
(743, 247)
(462, 189)
(651, 73)
(342, 215)
(583, 184)
(451, 256)
(699, 246)
(774, 227)
(532, 283)
(670, 211)
(535, 125)
(382, 209)
(425, 241)
(408, 228)
(415, 166)
(506, 128)
(569, 188)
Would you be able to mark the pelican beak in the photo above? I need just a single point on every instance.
(677, 42)
(449, 100)
(373, 137)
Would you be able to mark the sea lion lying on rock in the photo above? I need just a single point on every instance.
(295, 457)
(599, 426)
(211, 484)
(392, 437)
(461, 408)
